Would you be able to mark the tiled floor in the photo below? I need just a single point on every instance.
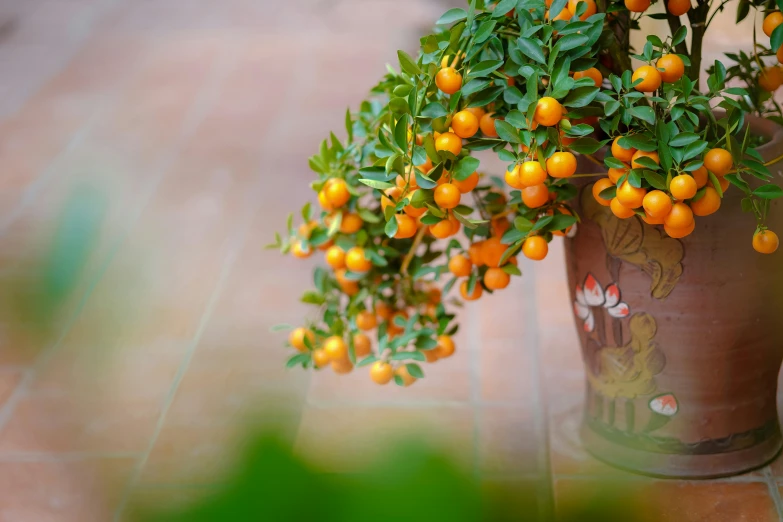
(195, 120)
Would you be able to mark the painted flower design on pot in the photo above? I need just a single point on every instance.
(665, 404)
(591, 294)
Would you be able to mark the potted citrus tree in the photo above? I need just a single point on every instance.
(651, 178)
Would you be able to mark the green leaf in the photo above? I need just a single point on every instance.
(484, 31)
(532, 49)
(280, 327)
(298, 360)
(655, 179)
(349, 125)
(614, 163)
(649, 163)
(380, 185)
(485, 68)
(608, 193)
(367, 215)
(683, 139)
(507, 132)
(585, 146)
(402, 356)
(679, 35)
(451, 16)
(776, 38)
(401, 132)
(434, 110)
(367, 361)
(644, 113)
(424, 182)
(512, 269)
(571, 41)
(769, 191)
(580, 97)
(465, 167)
(311, 297)
(503, 7)
(391, 227)
(561, 222)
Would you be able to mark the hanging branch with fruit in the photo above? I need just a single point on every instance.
(405, 215)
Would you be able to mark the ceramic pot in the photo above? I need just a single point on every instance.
(681, 338)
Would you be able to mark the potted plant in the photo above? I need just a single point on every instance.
(645, 173)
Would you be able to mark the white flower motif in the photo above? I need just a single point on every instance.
(664, 404)
(592, 294)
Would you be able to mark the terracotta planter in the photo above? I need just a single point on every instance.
(681, 338)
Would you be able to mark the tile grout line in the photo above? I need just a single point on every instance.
(189, 125)
(107, 102)
(546, 487)
(774, 492)
(235, 248)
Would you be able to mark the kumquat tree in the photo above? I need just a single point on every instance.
(406, 216)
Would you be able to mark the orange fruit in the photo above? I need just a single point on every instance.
(455, 224)
(615, 174)
(496, 279)
(637, 6)
(351, 223)
(410, 210)
(297, 338)
(621, 153)
(680, 216)
(718, 161)
(673, 67)
(535, 196)
(475, 253)
(657, 204)
(564, 14)
(499, 226)
(701, 176)
(467, 184)
(683, 187)
(356, 261)
(320, 358)
(434, 295)
(381, 372)
(448, 80)
(390, 197)
(639, 154)
(548, 112)
(337, 192)
(383, 310)
(298, 250)
(465, 124)
(335, 257)
(771, 21)
(619, 210)
(651, 78)
(324, 201)
(678, 7)
(342, 367)
(450, 142)
(724, 184)
(535, 248)
(447, 196)
(630, 196)
(560, 165)
(492, 251)
(514, 177)
(366, 320)
(477, 291)
(487, 125)
(445, 346)
(478, 112)
(590, 11)
(598, 187)
(770, 79)
(406, 226)
(680, 232)
(442, 229)
(362, 346)
(460, 266)
(708, 204)
(592, 73)
(336, 348)
(306, 229)
(650, 220)
(779, 54)
(403, 373)
(402, 183)
(531, 173)
(765, 241)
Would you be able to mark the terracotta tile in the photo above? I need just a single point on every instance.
(506, 500)
(71, 491)
(356, 435)
(9, 379)
(509, 441)
(67, 423)
(508, 371)
(676, 501)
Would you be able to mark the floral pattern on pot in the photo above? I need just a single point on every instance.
(591, 294)
(665, 404)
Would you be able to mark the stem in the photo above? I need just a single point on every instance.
(621, 59)
(674, 25)
(698, 19)
(412, 251)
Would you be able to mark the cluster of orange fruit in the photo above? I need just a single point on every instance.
(482, 254)
(676, 208)
(771, 78)
(669, 68)
(675, 7)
